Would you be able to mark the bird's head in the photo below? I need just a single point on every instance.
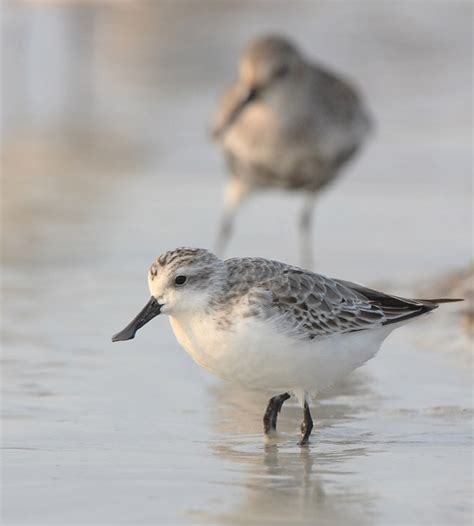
(180, 281)
(268, 60)
(264, 63)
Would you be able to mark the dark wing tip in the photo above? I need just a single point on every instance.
(424, 306)
(437, 301)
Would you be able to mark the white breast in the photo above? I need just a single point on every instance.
(254, 354)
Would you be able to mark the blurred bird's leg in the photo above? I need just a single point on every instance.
(235, 193)
(306, 232)
(225, 230)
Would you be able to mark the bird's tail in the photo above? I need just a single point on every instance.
(437, 301)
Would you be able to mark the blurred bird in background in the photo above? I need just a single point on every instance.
(287, 124)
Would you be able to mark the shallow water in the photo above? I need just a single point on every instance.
(136, 433)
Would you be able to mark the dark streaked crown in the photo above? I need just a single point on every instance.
(180, 257)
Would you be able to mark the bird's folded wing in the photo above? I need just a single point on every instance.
(311, 306)
(395, 308)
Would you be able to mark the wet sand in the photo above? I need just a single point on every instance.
(136, 433)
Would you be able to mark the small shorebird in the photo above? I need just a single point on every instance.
(272, 326)
(286, 124)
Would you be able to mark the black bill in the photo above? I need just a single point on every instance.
(149, 311)
(240, 104)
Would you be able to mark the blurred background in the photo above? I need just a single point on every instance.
(107, 161)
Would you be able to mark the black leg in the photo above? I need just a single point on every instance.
(271, 414)
(306, 425)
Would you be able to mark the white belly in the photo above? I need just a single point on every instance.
(253, 354)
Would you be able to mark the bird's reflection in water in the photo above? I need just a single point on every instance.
(282, 482)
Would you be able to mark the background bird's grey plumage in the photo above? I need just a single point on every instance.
(331, 125)
(287, 123)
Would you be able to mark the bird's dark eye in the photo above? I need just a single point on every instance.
(281, 72)
(180, 280)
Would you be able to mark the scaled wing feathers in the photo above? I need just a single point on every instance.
(309, 305)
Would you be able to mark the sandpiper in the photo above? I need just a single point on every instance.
(287, 123)
(268, 325)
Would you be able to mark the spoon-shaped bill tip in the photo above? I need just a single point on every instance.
(149, 311)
